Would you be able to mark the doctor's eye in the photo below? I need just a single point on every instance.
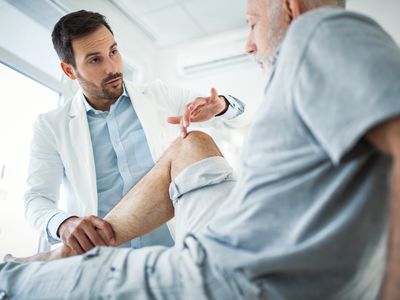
(94, 60)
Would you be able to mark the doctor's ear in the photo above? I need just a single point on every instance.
(68, 70)
(291, 11)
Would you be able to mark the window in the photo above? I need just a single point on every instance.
(22, 100)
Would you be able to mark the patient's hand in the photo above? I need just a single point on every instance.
(200, 110)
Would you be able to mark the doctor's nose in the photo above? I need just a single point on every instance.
(111, 66)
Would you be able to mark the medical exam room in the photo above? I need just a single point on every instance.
(200, 149)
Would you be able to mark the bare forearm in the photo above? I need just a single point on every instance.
(145, 207)
(391, 285)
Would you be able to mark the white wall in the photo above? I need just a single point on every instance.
(385, 12)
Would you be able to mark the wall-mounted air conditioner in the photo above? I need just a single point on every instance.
(213, 56)
(213, 64)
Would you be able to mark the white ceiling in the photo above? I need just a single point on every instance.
(164, 22)
(170, 22)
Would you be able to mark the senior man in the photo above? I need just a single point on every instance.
(102, 142)
(308, 219)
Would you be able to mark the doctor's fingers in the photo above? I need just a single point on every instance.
(174, 119)
(106, 229)
(178, 120)
(83, 240)
(199, 102)
(186, 114)
(95, 237)
(198, 105)
(214, 95)
(72, 243)
(183, 129)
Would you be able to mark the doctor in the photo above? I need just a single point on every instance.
(102, 142)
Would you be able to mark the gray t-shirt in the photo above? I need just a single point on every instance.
(308, 219)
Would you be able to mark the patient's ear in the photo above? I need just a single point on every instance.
(68, 70)
(291, 11)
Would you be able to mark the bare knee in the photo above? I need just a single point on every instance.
(197, 137)
(195, 147)
(198, 143)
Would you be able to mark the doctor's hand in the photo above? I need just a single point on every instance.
(83, 234)
(200, 110)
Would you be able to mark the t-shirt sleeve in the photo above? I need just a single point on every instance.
(347, 81)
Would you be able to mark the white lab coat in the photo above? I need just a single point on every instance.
(61, 150)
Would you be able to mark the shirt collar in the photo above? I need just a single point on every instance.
(88, 107)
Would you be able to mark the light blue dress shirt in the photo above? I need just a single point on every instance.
(122, 157)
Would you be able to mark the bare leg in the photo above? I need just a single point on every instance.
(147, 205)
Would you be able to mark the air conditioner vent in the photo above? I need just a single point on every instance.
(214, 64)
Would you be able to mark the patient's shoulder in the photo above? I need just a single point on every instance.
(332, 26)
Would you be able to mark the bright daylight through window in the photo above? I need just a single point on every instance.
(22, 100)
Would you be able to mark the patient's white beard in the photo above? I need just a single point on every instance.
(274, 36)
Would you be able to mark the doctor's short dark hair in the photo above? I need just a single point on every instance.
(75, 25)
